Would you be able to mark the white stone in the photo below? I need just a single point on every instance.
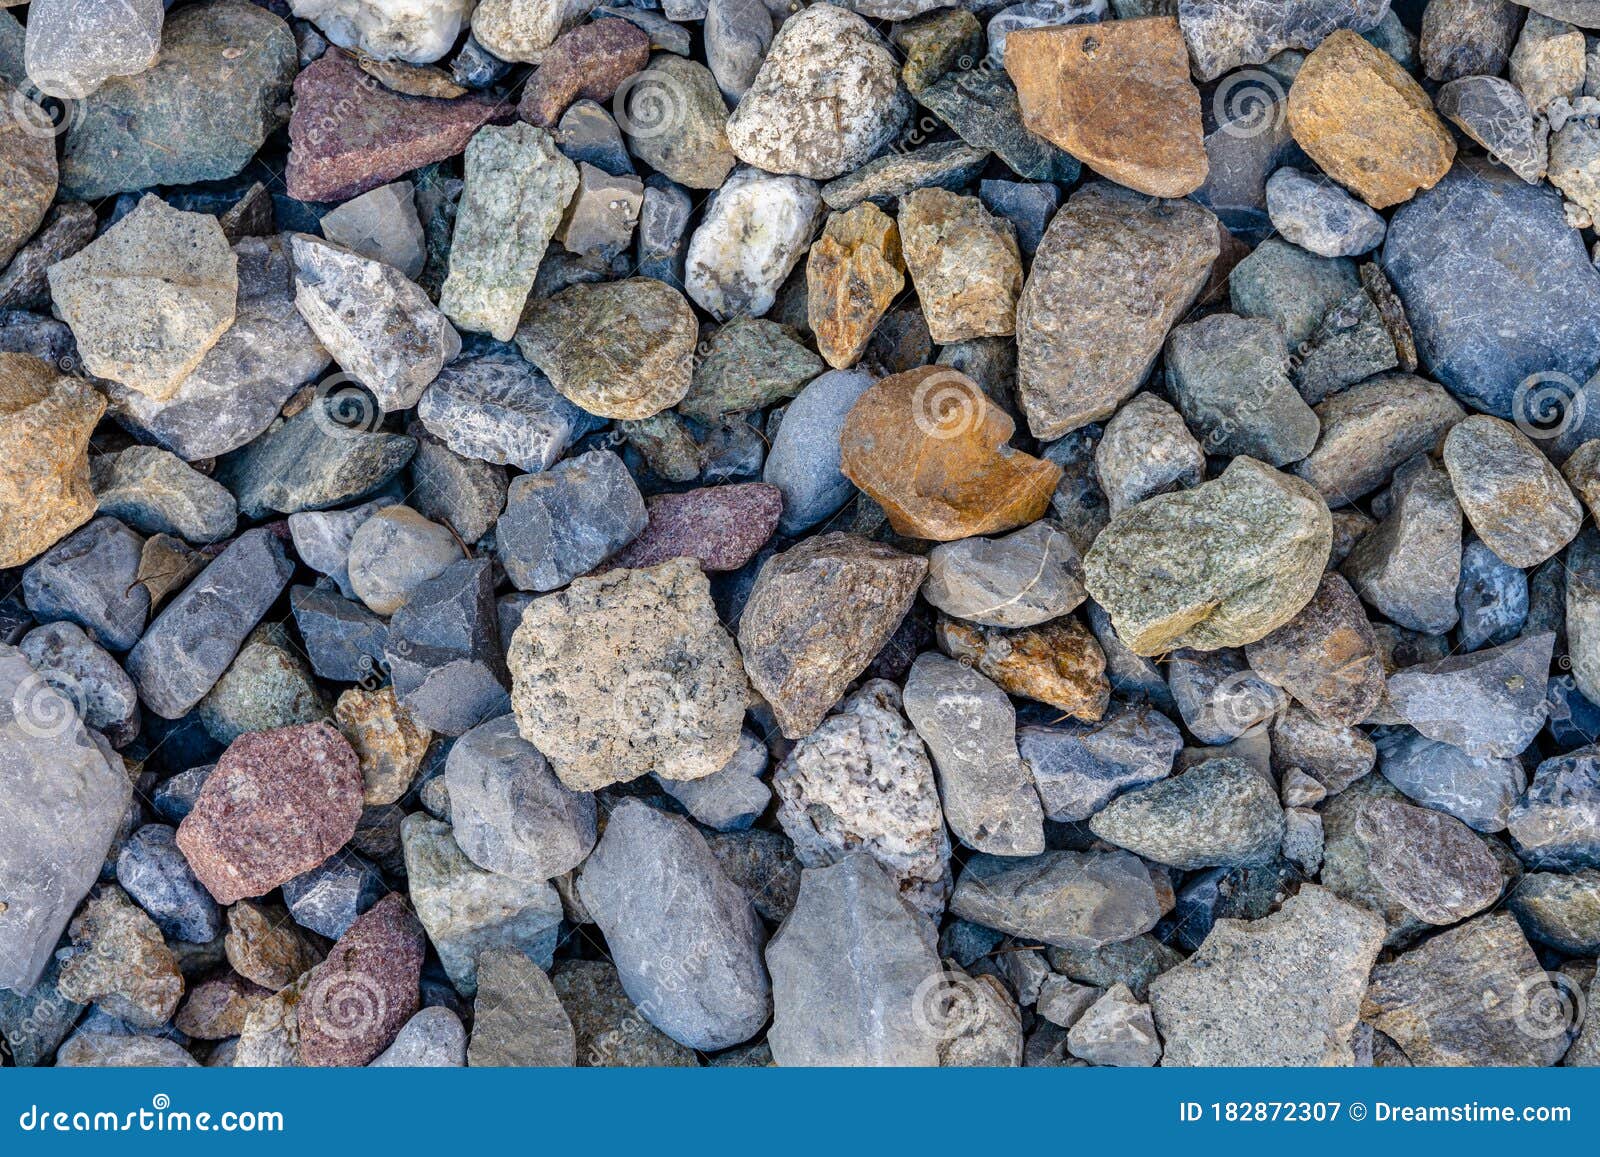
(520, 30)
(418, 31)
(755, 229)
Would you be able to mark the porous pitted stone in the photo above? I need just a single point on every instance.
(73, 48)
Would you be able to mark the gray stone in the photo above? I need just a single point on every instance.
(156, 492)
(192, 642)
(1018, 580)
(1079, 768)
(153, 871)
(1479, 790)
(610, 1030)
(763, 863)
(33, 1024)
(941, 164)
(1516, 500)
(1116, 1030)
(393, 553)
(517, 1017)
(980, 1025)
(982, 108)
(329, 897)
(676, 122)
(467, 911)
(1218, 696)
(1582, 606)
(732, 798)
(1132, 962)
(1320, 216)
(737, 35)
(587, 133)
(381, 225)
(1560, 910)
(1326, 656)
(87, 677)
(502, 410)
(416, 33)
(602, 214)
(803, 461)
(1078, 900)
(1290, 286)
(851, 970)
(1221, 812)
(72, 49)
(432, 1039)
(1468, 37)
(1027, 205)
(1409, 567)
(510, 812)
(1492, 598)
(1284, 990)
(1223, 34)
(1431, 862)
(754, 231)
(444, 653)
(1488, 703)
(89, 1049)
(343, 640)
(464, 494)
(1492, 112)
(1146, 450)
(1556, 825)
(663, 227)
(568, 520)
(67, 228)
(685, 939)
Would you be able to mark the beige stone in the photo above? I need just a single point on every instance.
(965, 264)
(45, 423)
(853, 274)
(389, 743)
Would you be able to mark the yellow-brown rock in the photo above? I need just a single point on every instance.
(1118, 97)
(1058, 662)
(45, 423)
(965, 264)
(389, 743)
(931, 449)
(1370, 126)
(853, 274)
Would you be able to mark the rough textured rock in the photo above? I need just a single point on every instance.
(1116, 1030)
(568, 520)
(1479, 790)
(520, 30)
(676, 121)
(29, 157)
(517, 1017)
(629, 673)
(73, 49)
(964, 263)
(1547, 61)
(1516, 500)
(156, 492)
(1430, 862)
(751, 235)
(1058, 663)
(1326, 656)
(387, 741)
(1149, 139)
(1219, 812)
(1488, 703)
(266, 947)
(415, 31)
(720, 527)
(1284, 990)
(1079, 900)
(1079, 768)
(745, 365)
(1129, 268)
(443, 650)
(45, 423)
(356, 1001)
(1557, 823)
(1223, 34)
(854, 272)
(590, 61)
(1372, 428)
(501, 410)
(152, 870)
(1410, 565)
(1019, 580)
(610, 1030)
(1321, 217)
(216, 1008)
(1495, 115)
(799, 651)
(119, 962)
(805, 458)
(433, 1038)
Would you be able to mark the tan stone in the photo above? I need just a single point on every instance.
(387, 741)
(45, 423)
(1058, 662)
(27, 169)
(1118, 97)
(932, 450)
(964, 262)
(1370, 126)
(853, 274)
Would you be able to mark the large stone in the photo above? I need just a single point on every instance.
(675, 121)
(72, 49)
(517, 1017)
(45, 423)
(1372, 428)
(629, 673)
(1432, 863)
(1223, 34)
(1221, 812)
(1149, 138)
(87, 676)
(854, 272)
(964, 263)
(591, 61)
(1129, 268)
(1079, 900)
(1479, 790)
(415, 31)
(817, 615)
(1220, 565)
(1516, 500)
(1488, 703)
(754, 231)
(501, 410)
(28, 159)
(152, 870)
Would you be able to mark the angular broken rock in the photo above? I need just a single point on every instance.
(388, 742)
(354, 1003)
(1019, 580)
(935, 452)
(800, 651)
(46, 420)
(1432, 863)
(1079, 900)
(964, 263)
(721, 527)
(1116, 1030)
(120, 963)
(1516, 500)
(754, 231)
(628, 673)
(155, 492)
(517, 1019)
(1283, 990)
(1488, 703)
(1478, 790)
(1370, 429)
(1410, 566)
(1492, 112)
(1058, 662)
(1222, 812)
(686, 942)
(1557, 823)
(1221, 565)
(29, 159)
(851, 969)
(1129, 268)
(517, 187)
(278, 804)
(854, 273)
(1223, 34)
(1147, 138)
(1326, 656)
(501, 410)
(433, 1038)
(149, 296)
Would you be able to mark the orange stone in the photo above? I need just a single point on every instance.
(45, 423)
(1118, 97)
(853, 274)
(1370, 126)
(931, 449)
(1058, 662)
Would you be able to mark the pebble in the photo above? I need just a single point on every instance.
(1079, 768)
(73, 50)
(1495, 115)
(1556, 825)
(432, 1039)
(798, 650)
(31, 175)
(675, 121)
(394, 552)
(732, 798)
(329, 897)
(1408, 568)
(964, 263)
(388, 743)
(754, 231)
(444, 654)
(464, 494)
(1488, 703)
(1515, 499)
(216, 1008)
(87, 677)
(1058, 663)
(1479, 790)
(517, 1017)
(1022, 579)
(119, 962)
(1146, 450)
(1223, 34)
(566, 521)
(737, 37)
(1220, 812)
(664, 211)
(152, 870)
(805, 458)
(1320, 216)
(1326, 656)
(45, 426)
(747, 364)
(1218, 696)
(1130, 267)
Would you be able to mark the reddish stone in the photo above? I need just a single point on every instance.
(591, 61)
(357, 1000)
(721, 527)
(349, 133)
(278, 804)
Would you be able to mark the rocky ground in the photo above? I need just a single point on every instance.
(740, 533)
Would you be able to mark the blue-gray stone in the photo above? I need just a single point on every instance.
(500, 409)
(566, 521)
(444, 651)
(981, 106)
(34, 1023)
(1070, 899)
(1218, 696)
(1219, 813)
(86, 675)
(174, 799)
(91, 578)
(343, 640)
(1247, 138)
(476, 67)
(329, 897)
(732, 798)
(1318, 215)
(152, 869)
(1028, 205)
(942, 165)
(1479, 790)
(1292, 287)
(1556, 825)
(804, 459)
(1490, 702)
(663, 230)
(1574, 717)
(1492, 597)
(1079, 768)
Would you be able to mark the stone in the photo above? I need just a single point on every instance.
(1221, 812)
(1490, 702)
(91, 578)
(1479, 790)
(29, 157)
(416, 31)
(663, 222)
(190, 644)
(464, 494)
(244, 380)
(322, 539)
(1283, 990)
(156, 492)
(942, 164)
(1130, 268)
(152, 870)
(501, 410)
(628, 673)
(591, 61)
(731, 798)
(103, 1050)
(1220, 565)
(1292, 287)
(140, 129)
(45, 423)
(394, 552)
(1432, 863)
(934, 43)
(964, 263)
(1495, 115)
(610, 1031)
(851, 970)
(329, 897)
(1556, 825)
(619, 349)
(348, 134)
(799, 650)
(1547, 62)
(266, 947)
(566, 521)
(1334, 757)
(1079, 768)
(1321, 217)
(1149, 141)
(1058, 663)
(66, 228)
(388, 743)
(666, 446)
(134, 320)
(751, 235)
(805, 458)
(721, 527)
(1219, 698)
(1146, 449)
(983, 109)
(1408, 568)
(588, 134)
(1582, 575)
(949, 472)
(1560, 910)
(119, 962)
(470, 913)
(737, 37)
(433, 1038)
(854, 272)
(1079, 900)
(1022, 579)
(1116, 1030)
(1464, 997)
(520, 30)
(517, 1018)
(1369, 126)
(444, 654)
(1371, 429)
(381, 225)
(355, 1002)
(1223, 34)
(65, 806)
(72, 50)
(675, 121)
(1517, 501)
(216, 1008)
(279, 803)
(826, 56)
(87, 677)
(1326, 656)
(1468, 37)
(745, 365)
(1574, 168)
